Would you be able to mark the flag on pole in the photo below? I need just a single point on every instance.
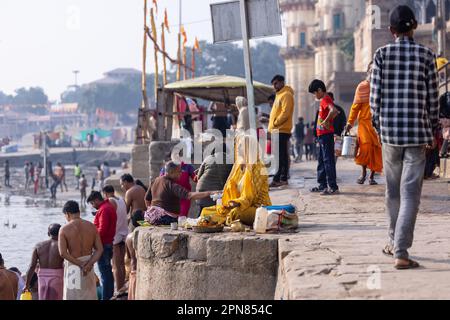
(155, 4)
(183, 33)
(197, 45)
(166, 21)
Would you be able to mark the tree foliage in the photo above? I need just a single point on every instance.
(25, 97)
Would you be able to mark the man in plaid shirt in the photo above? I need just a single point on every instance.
(404, 101)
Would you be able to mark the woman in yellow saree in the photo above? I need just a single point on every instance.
(246, 190)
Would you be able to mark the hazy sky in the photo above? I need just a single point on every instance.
(43, 41)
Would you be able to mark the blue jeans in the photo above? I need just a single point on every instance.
(104, 265)
(326, 169)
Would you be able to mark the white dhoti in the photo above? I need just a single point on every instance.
(78, 286)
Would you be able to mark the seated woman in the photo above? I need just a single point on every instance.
(246, 190)
(166, 195)
(212, 175)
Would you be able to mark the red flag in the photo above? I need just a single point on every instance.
(166, 21)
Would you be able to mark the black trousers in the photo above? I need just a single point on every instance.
(283, 160)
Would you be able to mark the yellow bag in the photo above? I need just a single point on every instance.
(26, 295)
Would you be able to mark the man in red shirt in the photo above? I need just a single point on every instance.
(105, 221)
(326, 169)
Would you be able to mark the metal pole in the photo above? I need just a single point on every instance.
(442, 26)
(248, 68)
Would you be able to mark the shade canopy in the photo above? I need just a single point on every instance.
(219, 88)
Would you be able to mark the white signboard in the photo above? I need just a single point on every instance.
(263, 20)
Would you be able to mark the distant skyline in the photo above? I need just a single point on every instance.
(43, 41)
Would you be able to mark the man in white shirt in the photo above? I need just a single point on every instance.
(120, 237)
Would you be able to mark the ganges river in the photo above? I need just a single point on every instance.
(24, 222)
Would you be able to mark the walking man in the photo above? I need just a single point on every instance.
(326, 169)
(404, 102)
(299, 138)
(281, 123)
(77, 173)
(105, 221)
(7, 174)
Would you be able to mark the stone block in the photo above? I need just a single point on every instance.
(169, 245)
(196, 246)
(260, 254)
(140, 153)
(224, 252)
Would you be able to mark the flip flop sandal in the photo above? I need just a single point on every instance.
(373, 182)
(388, 251)
(361, 180)
(411, 265)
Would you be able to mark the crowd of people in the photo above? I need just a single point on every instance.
(397, 111)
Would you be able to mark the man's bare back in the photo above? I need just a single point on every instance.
(135, 199)
(48, 255)
(79, 237)
(8, 284)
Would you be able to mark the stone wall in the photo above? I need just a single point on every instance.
(192, 266)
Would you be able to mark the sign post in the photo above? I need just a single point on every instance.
(248, 68)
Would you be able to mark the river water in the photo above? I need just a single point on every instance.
(31, 222)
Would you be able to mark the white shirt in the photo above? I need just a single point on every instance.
(122, 221)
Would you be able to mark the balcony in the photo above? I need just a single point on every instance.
(297, 52)
(321, 37)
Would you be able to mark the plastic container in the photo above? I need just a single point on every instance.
(260, 224)
(26, 296)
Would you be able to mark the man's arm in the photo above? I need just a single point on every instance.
(31, 268)
(98, 251)
(128, 200)
(433, 94)
(62, 247)
(287, 107)
(375, 90)
(200, 195)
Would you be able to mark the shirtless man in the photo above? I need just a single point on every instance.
(9, 284)
(81, 247)
(133, 267)
(51, 267)
(134, 198)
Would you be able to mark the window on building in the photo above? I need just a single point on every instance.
(302, 39)
(337, 21)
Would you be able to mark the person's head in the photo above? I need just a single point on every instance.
(95, 199)
(331, 95)
(53, 230)
(77, 164)
(300, 120)
(99, 167)
(173, 170)
(71, 210)
(108, 191)
(16, 270)
(271, 100)
(318, 89)
(241, 102)
(31, 163)
(2, 262)
(403, 21)
(59, 164)
(83, 176)
(307, 125)
(277, 82)
(126, 181)
(7, 161)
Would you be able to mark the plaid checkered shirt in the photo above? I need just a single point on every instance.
(404, 93)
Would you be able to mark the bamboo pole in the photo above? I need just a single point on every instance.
(184, 63)
(163, 46)
(141, 129)
(155, 36)
(179, 58)
(193, 63)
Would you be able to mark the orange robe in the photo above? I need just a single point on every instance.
(369, 152)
